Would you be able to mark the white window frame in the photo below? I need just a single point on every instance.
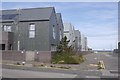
(7, 28)
(31, 34)
(53, 48)
(32, 27)
(32, 30)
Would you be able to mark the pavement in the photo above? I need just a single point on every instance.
(84, 70)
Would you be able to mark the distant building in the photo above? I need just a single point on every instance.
(60, 29)
(118, 47)
(69, 32)
(86, 47)
(31, 29)
(84, 43)
(89, 49)
(77, 40)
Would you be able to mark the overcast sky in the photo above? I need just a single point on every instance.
(97, 21)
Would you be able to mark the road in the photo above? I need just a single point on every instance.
(110, 61)
(34, 74)
(110, 71)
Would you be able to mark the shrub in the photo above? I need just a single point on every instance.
(67, 59)
(65, 54)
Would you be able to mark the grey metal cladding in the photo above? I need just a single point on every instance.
(31, 13)
(35, 13)
(53, 21)
(60, 23)
(43, 32)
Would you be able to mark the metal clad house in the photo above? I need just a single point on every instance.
(60, 26)
(84, 43)
(77, 40)
(33, 28)
(69, 32)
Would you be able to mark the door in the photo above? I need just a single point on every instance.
(2, 46)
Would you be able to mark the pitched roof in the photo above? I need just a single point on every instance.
(28, 14)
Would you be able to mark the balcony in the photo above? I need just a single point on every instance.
(6, 40)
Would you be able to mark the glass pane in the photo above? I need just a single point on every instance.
(32, 26)
(9, 28)
(31, 34)
(5, 28)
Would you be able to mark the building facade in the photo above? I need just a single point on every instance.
(32, 29)
(84, 46)
(77, 40)
(69, 32)
(60, 26)
(6, 40)
(118, 47)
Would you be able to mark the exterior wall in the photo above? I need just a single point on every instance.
(30, 56)
(53, 22)
(86, 47)
(69, 33)
(73, 35)
(118, 29)
(40, 56)
(60, 26)
(83, 42)
(118, 47)
(43, 56)
(4, 39)
(77, 40)
(43, 32)
(41, 36)
(13, 56)
(7, 39)
(26, 43)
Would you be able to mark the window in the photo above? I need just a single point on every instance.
(32, 31)
(53, 48)
(7, 28)
(54, 32)
(60, 34)
(32, 26)
(31, 34)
